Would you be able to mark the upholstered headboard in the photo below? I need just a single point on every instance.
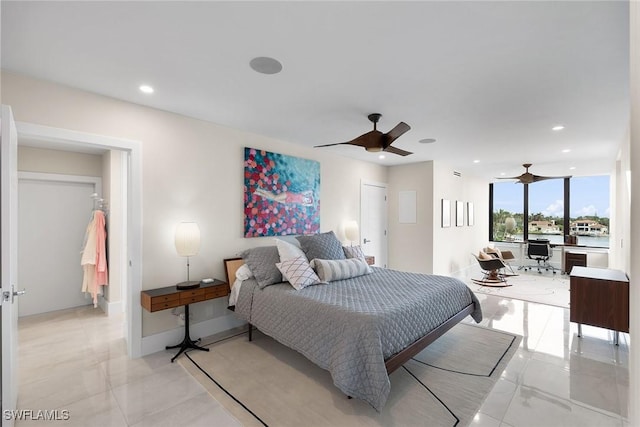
(231, 265)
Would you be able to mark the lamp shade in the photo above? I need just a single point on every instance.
(351, 231)
(187, 239)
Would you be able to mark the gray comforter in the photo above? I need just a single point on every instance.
(350, 327)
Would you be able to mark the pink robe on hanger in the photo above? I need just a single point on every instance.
(94, 257)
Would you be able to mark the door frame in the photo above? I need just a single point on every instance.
(57, 138)
(366, 182)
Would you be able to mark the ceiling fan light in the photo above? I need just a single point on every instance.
(373, 149)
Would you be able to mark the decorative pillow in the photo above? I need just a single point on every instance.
(244, 273)
(288, 250)
(493, 251)
(262, 262)
(353, 252)
(323, 246)
(484, 255)
(298, 272)
(329, 270)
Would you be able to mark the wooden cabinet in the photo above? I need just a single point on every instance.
(600, 297)
(572, 259)
(170, 297)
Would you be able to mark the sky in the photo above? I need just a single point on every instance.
(589, 196)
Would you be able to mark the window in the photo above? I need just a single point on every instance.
(507, 212)
(546, 210)
(589, 210)
(554, 208)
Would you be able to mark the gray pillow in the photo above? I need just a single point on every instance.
(322, 246)
(262, 262)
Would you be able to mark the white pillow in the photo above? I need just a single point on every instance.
(329, 270)
(289, 251)
(244, 272)
(298, 272)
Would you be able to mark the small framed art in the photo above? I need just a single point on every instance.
(459, 213)
(446, 213)
(469, 214)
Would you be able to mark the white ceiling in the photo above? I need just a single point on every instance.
(488, 80)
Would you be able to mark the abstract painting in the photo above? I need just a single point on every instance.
(281, 194)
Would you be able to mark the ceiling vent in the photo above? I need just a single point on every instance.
(456, 173)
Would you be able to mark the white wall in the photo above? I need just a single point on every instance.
(453, 246)
(426, 246)
(192, 170)
(634, 234)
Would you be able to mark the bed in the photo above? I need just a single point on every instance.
(360, 329)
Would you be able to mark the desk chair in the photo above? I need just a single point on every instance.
(540, 251)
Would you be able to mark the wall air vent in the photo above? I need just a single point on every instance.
(456, 173)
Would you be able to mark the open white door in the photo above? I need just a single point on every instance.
(9, 256)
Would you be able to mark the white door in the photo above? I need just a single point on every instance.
(58, 233)
(8, 253)
(373, 221)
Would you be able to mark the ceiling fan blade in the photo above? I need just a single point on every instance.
(511, 177)
(330, 145)
(397, 151)
(395, 133)
(537, 178)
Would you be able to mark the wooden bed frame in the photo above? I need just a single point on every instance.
(397, 360)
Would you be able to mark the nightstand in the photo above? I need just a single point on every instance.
(170, 297)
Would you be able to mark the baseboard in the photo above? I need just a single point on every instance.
(110, 308)
(157, 342)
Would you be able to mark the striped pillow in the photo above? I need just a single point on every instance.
(329, 270)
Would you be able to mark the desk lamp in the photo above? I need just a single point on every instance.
(187, 245)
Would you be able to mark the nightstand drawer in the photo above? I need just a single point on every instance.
(216, 291)
(184, 299)
(165, 298)
(164, 305)
(191, 293)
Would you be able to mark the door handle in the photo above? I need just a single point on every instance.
(6, 295)
(365, 241)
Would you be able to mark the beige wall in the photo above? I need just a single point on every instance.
(33, 159)
(426, 246)
(410, 245)
(192, 170)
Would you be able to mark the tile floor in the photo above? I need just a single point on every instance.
(76, 360)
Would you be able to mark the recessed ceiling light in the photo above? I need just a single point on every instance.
(265, 65)
(502, 174)
(572, 168)
(566, 150)
(427, 141)
(381, 156)
(146, 89)
(476, 161)
(558, 127)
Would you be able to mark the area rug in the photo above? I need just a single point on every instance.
(541, 288)
(265, 383)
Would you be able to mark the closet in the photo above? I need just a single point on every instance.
(58, 192)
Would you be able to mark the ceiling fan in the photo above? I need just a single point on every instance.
(529, 178)
(375, 141)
